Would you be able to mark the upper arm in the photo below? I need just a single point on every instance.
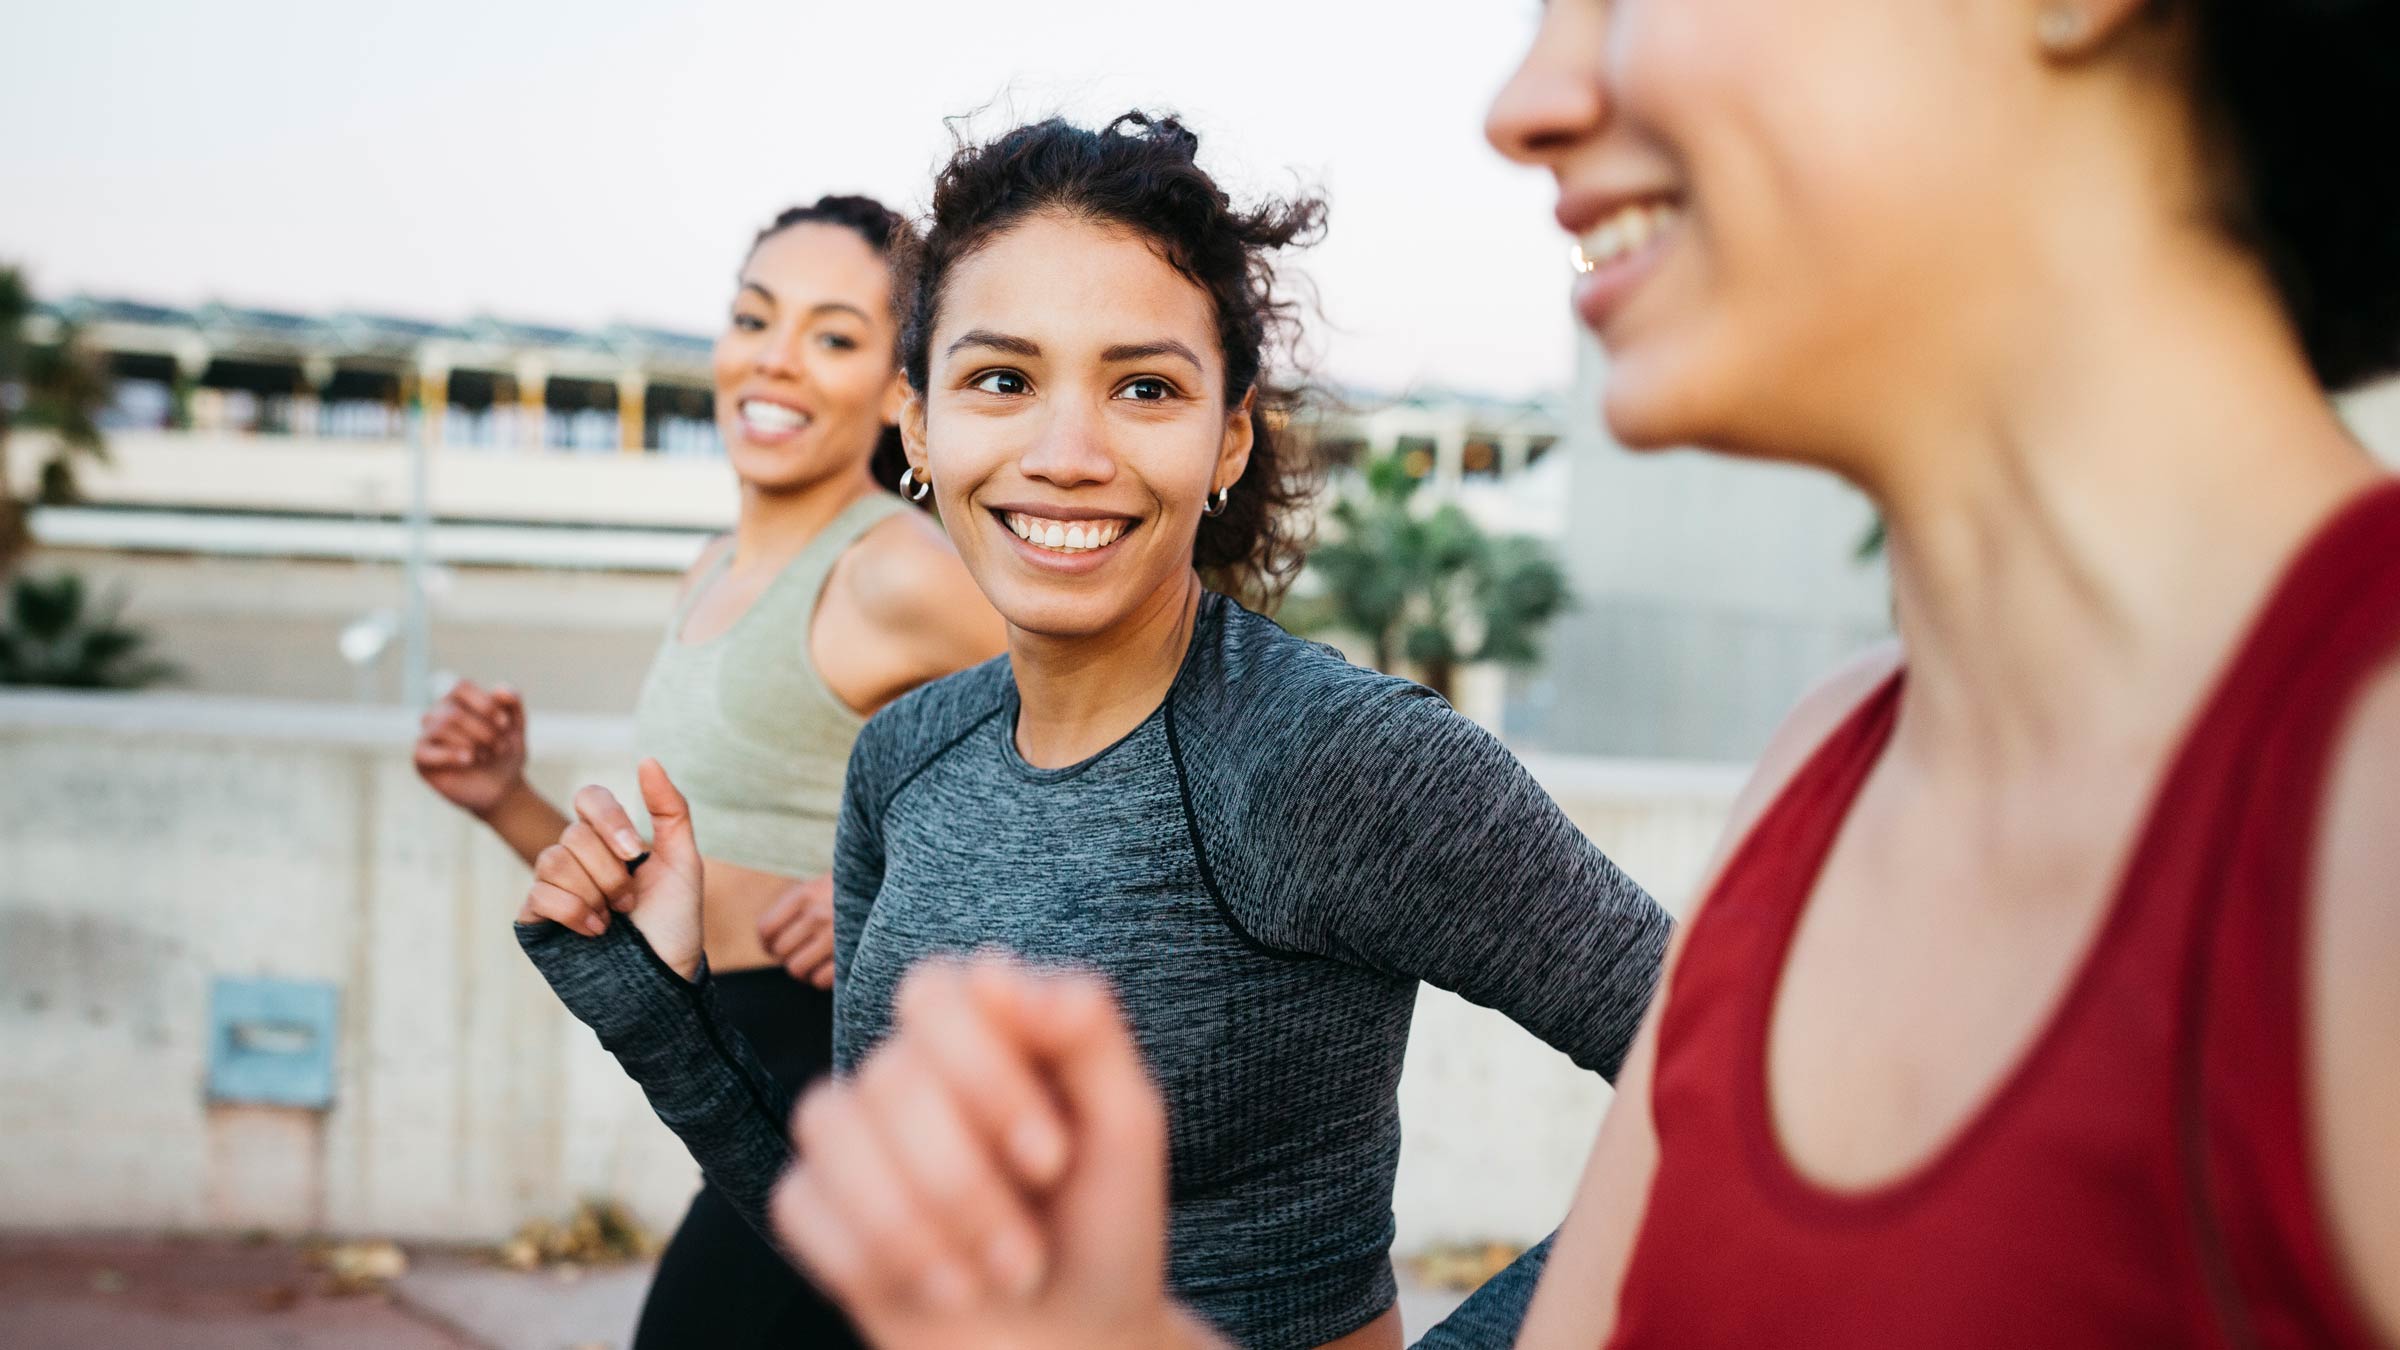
(2354, 997)
(1576, 1302)
(1415, 843)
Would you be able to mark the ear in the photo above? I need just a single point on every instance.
(895, 398)
(2070, 30)
(1233, 454)
(910, 416)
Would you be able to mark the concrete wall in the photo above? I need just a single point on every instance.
(155, 843)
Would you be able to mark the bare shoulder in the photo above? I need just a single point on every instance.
(907, 580)
(902, 556)
(710, 552)
(2354, 996)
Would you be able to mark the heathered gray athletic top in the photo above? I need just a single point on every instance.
(1264, 868)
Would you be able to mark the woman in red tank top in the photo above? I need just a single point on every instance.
(2049, 995)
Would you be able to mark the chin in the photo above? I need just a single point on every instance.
(1659, 398)
(775, 471)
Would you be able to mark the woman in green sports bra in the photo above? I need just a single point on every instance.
(830, 598)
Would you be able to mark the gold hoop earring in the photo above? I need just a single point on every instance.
(2060, 27)
(912, 486)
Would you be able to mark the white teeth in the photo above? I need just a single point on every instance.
(1625, 233)
(1064, 536)
(772, 416)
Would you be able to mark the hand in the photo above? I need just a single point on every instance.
(798, 930)
(471, 746)
(601, 865)
(994, 1176)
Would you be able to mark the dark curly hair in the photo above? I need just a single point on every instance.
(1142, 172)
(890, 234)
(2305, 91)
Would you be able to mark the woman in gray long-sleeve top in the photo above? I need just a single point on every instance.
(1262, 848)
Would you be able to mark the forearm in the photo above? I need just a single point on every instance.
(525, 821)
(674, 1040)
(1490, 1317)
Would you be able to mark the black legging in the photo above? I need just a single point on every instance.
(719, 1286)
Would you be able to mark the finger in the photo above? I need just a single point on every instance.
(450, 740)
(465, 721)
(903, 1251)
(480, 702)
(670, 815)
(558, 866)
(783, 941)
(510, 703)
(987, 1068)
(813, 949)
(563, 907)
(822, 976)
(605, 869)
(1110, 1212)
(787, 907)
(598, 807)
(953, 1169)
(809, 1224)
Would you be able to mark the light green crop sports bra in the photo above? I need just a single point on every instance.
(744, 723)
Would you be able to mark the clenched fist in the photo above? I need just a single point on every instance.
(601, 866)
(471, 747)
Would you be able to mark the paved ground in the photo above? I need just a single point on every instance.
(223, 1294)
(191, 1294)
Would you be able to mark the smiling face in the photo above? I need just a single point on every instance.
(1785, 212)
(1073, 423)
(805, 376)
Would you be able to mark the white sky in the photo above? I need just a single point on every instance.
(580, 162)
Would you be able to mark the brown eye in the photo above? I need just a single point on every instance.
(1147, 390)
(1000, 382)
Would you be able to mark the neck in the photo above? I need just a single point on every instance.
(2075, 551)
(1079, 695)
(775, 524)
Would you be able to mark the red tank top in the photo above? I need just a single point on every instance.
(2143, 1175)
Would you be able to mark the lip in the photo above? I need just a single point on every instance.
(1053, 511)
(1579, 209)
(758, 435)
(1062, 564)
(1602, 293)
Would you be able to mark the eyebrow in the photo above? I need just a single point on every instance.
(825, 307)
(999, 342)
(1143, 351)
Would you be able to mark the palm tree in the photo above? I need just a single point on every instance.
(54, 636)
(1429, 587)
(62, 387)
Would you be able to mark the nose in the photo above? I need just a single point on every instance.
(1071, 449)
(779, 352)
(1557, 98)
